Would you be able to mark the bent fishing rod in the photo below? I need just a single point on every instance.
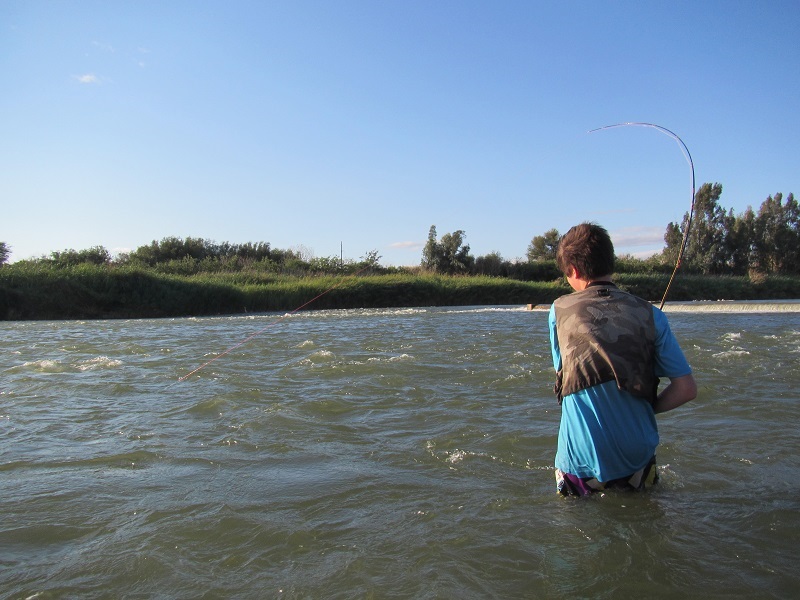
(681, 251)
(687, 155)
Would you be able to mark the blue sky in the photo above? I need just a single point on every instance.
(310, 124)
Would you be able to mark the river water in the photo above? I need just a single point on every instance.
(381, 454)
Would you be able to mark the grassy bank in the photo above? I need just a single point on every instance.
(90, 292)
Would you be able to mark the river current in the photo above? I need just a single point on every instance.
(381, 454)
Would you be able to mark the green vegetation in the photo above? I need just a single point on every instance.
(94, 291)
(543, 247)
(449, 255)
(88, 291)
(746, 257)
(719, 242)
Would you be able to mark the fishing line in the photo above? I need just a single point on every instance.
(687, 155)
(271, 324)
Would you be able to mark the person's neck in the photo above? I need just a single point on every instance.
(585, 283)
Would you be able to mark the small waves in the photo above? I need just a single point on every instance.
(459, 457)
(731, 354)
(133, 459)
(359, 313)
(378, 453)
(63, 366)
(99, 362)
(486, 309)
(321, 356)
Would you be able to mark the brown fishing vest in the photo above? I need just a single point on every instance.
(605, 334)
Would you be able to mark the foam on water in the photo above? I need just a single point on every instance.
(99, 362)
(734, 306)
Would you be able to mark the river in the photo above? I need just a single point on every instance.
(381, 454)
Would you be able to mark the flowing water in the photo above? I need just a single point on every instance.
(381, 454)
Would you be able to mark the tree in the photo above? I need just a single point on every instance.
(777, 235)
(739, 241)
(169, 248)
(5, 252)
(706, 248)
(707, 238)
(96, 255)
(456, 253)
(491, 264)
(326, 264)
(251, 251)
(302, 252)
(449, 255)
(544, 247)
(371, 259)
(721, 242)
(673, 238)
(431, 253)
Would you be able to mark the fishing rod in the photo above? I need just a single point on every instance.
(271, 324)
(688, 156)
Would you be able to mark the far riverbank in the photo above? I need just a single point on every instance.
(88, 292)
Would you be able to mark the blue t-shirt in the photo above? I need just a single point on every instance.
(606, 432)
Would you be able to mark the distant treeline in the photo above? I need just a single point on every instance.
(194, 256)
(755, 255)
(722, 243)
(718, 243)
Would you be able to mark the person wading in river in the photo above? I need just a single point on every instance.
(609, 350)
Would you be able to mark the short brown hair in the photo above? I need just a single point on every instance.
(588, 248)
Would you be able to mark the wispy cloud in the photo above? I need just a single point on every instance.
(638, 236)
(88, 78)
(406, 245)
(143, 51)
(103, 46)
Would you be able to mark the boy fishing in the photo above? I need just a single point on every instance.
(609, 350)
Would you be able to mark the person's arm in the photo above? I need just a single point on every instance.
(679, 391)
(555, 350)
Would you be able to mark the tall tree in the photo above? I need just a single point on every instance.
(740, 240)
(777, 235)
(544, 247)
(673, 238)
(706, 246)
(456, 252)
(449, 255)
(431, 253)
(5, 252)
(707, 238)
